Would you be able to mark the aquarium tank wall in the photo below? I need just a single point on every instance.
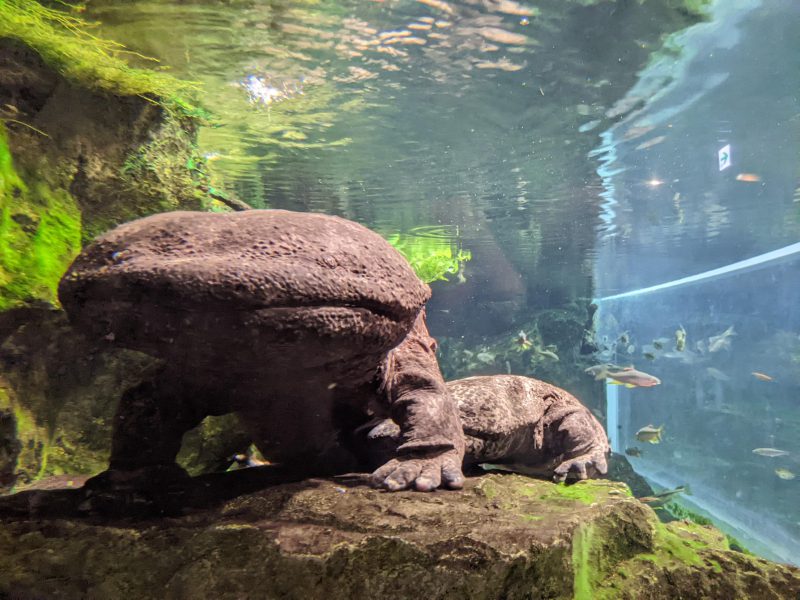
(697, 274)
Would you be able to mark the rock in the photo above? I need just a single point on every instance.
(620, 469)
(85, 143)
(9, 448)
(61, 390)
(502, 537)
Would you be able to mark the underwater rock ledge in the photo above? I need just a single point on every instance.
(86, 142)
(504, 536)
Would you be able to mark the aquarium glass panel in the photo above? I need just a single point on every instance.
(697, 274)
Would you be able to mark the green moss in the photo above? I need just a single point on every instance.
(532, 517)
(487, 488)
(679, 511)
(674, 547)
(32, 460)
(581, 564)
(66, 44)
(584, 492)
(683, 543)
(40, 233)
(432, 259)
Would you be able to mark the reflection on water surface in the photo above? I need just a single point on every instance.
(474, 115)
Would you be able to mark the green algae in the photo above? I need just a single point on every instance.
(602, 569)
(584, 492)
(66, 43)
(581, 565)
(673, 546)
(677, 545)
(32, 459)
(678, 511)
(532, 517)
(40, 233)
(488, 489)
(431, 259)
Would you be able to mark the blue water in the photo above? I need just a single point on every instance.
(571, 168)
(690, 241)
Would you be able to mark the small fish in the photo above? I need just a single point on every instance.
(770, 452)
(748, 177)
(649, 355)
(658, 344)
(630, 349)
(680, 339)
(633, 451)
(651, 142)
(630, 377)
(515, 468)
(486, 357)
(600, 372)
(761, 376)
(664, 497)
(251, 458)
(784, 473)
(721, 341)
(546, 352)
(589, 125)
(522, 341)
(650, 434)
(624, 338)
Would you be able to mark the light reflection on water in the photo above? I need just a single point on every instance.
(400, 114)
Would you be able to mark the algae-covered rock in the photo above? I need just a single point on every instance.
(86, 142)
(9, 448)
(61, 390)
(502, 537)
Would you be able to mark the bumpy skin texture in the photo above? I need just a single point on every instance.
(527, 424)
(307, 326)
(520, 420)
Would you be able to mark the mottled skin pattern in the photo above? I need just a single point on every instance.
(512, 419)
(307, 326)
(527, 424)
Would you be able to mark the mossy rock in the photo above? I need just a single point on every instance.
(503, 536)
(61, 391)
(58, 396)
(86, 143)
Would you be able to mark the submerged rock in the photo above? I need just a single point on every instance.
(502, 537)
(86, 142)
(9, 449)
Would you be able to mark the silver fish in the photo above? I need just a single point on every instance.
(771, 452)
(721, 341)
